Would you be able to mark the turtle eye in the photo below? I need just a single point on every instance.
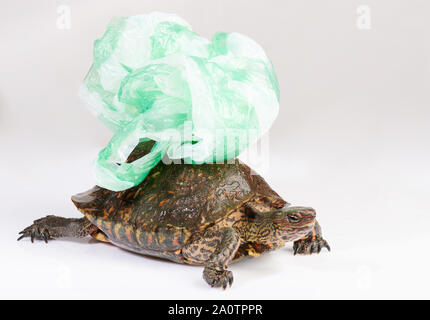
(294, 218)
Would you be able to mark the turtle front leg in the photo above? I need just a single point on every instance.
(313, 242)
(215, 272)
(52, 227)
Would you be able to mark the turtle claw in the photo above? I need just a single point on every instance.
(310, 245)
(36, 231)
(218, 278)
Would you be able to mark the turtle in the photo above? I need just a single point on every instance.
(198, 214)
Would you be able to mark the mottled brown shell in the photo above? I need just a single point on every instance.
(177, 195)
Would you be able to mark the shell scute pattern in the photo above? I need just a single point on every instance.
(173, 202)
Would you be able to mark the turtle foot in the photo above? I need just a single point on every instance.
(38, 230)
(218, 278)
(310, 245)
(53, 227)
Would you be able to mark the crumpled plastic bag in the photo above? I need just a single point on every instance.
(202, 101)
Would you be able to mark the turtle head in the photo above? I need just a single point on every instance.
(280, 224)
(294, 222)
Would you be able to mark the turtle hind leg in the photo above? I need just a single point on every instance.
(52, 227)
(215, 272)
(312, 242)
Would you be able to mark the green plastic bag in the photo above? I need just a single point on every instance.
(202, 101)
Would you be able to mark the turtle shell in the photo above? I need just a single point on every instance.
(185, 196)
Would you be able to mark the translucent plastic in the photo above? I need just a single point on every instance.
(202, 101)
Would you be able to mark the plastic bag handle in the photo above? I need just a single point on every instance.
(112, 171)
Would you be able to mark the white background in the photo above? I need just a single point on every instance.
(351, 140)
